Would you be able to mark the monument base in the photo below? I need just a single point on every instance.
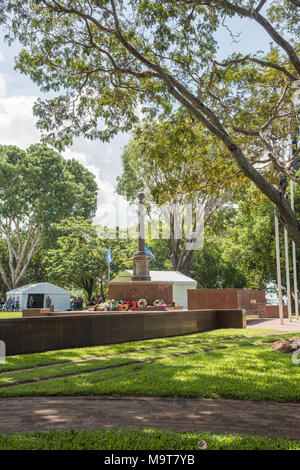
(141, 267)
(135, 290)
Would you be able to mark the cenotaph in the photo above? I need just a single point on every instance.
(141, 286)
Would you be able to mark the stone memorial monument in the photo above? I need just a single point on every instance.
(141, 286)
(141, 261)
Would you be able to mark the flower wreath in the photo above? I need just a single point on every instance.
(158, 302)
(142, 303)
(112, 304)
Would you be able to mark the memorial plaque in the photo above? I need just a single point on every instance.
(140, 269)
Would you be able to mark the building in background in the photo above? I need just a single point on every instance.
(60, 298)
(180, 283)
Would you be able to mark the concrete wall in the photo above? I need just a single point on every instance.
(36, 334)
(180, 293)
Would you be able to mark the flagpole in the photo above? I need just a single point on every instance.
(293, 243)
(287, 272)
(109, 266)
(278, 270)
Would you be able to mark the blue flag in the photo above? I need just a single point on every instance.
(149, 253)
(108, 256)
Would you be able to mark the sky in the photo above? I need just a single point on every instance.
(17, 123)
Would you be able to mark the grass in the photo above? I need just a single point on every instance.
(222, 363)
(146, 439)
(10, 315)
(67, 355)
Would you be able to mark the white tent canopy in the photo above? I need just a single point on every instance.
(181, 282)
(60, 297)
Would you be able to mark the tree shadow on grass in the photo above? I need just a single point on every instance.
(245, 373)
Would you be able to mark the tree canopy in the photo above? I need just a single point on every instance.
(38, 188)
(78, 259)
(166, 160)
(108, 61)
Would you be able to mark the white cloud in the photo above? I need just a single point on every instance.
(17, 123)
(113, 210)
(79, 156)
(2, 86)
(17, 127)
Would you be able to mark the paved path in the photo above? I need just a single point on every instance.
(274, 324)
(265, 419)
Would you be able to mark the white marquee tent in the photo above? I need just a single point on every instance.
(60, 297)
(181, 283)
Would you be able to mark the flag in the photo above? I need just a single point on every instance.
(108, 256)
(149, 253)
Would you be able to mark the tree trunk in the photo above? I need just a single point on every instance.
(88, 286)
(101, 285)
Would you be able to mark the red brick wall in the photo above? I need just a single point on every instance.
(253, 301)
(272, 311)
(136, 290)
(250, 300)
(212, 298)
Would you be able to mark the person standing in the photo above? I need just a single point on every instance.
(9, 304)
(31, 302)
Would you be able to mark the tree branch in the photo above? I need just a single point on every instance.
(252, 14)
(263, 63)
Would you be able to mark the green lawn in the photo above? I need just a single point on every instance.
(10, 314)
(222, 363)
(147, 439)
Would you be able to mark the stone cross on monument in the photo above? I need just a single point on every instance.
(141, 261)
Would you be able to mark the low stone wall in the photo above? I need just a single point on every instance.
(80, 312)
(250, 300)
(272, 311)
(35, 312)
(37, 334)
